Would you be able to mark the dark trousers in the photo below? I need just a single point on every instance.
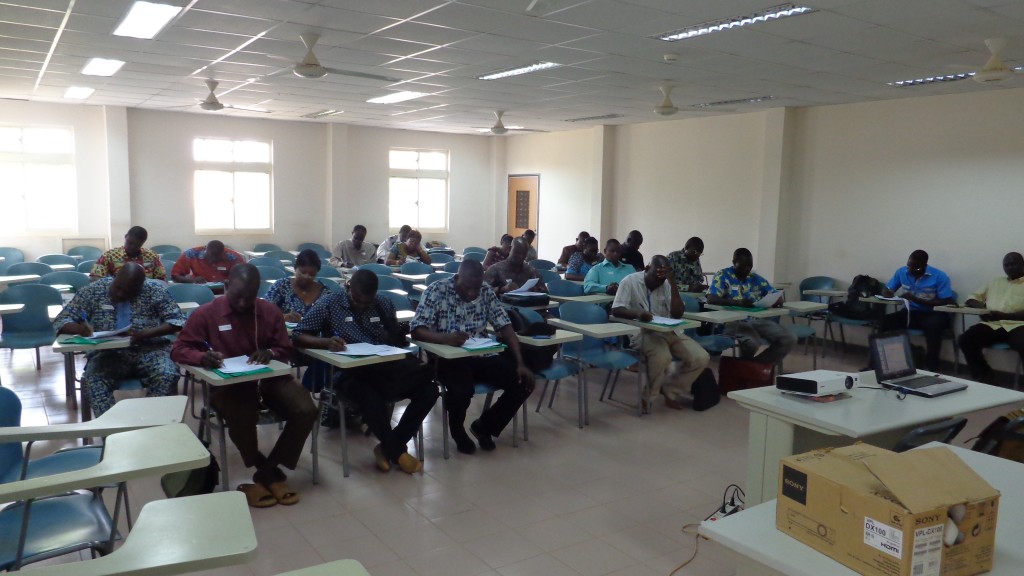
(239, 405)
(978, 337)
(932, 323)
(459, 376)
(374, 388)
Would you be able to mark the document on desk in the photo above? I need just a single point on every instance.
(364, 349)
(240, 365)
(768, 300)
(481, 344)
(110, 333)
(666, 321)
(524, 290)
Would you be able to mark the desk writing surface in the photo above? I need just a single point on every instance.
(825, 292)
(405, 315)
(683, 325)
(277, 368)
(411, 277)
(60, 347)
(715, 316)
(62, 267)
(751, 312)
(962, 310)
(804, 306)
(11, 308)
(127, 414)
(559, 337)
(451, 352)
(607, 330)
(342, 361)
(4, 280)
(419, 287)
(586, 298)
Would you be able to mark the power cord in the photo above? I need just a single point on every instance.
(732, 502)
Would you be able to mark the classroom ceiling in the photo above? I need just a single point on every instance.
(845, 51)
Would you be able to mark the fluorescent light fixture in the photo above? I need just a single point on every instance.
(591, 118)
(78, 92)
(766, 15)
(931, 80)
(102, 67)
(396, 97)
(517, 71)
(146, 19)
(737, 101)
(323, 113)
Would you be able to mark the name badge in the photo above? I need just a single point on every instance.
(221, 268)
(224, 327)
(348, 318)
(375, 319)
(107, 307)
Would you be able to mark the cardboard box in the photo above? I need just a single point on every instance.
(918, 513)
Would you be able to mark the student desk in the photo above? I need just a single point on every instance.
(804, 306)
(62, 267)
(69, 351)
(785, 424)
(826, 293)
(419, 278)
(760, 549)
(586, 298)
(336, 568)
(11, 308)
(128, 414)
(677, 328)
(751, 312)
(715, 316)
(5, 280)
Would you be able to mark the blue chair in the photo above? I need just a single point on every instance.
(591, 352)
(452, 266)
(416, 268)
(199, 293)
(435, 276)
(400, 302)
(378, 269)
(12, 255)
(162, 249)
(20, 268)
(559, 369)
(478, 256)
(30, 328)
(714, 344)
(389, 283)
(86, 252)
(313, 246)
(328, 272)
(85, 266)
(168, 265)
(264, 262)
(271, 273)
(57, 259)
(280, 255)
(542, 264)
(77, 280)
(441, 258)
(559, 287)
(549, 275)
(265, 247)
(473, 249)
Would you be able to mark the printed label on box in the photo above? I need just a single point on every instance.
(884, 537)
(927, 556)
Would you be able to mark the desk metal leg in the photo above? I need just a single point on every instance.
(69, 380)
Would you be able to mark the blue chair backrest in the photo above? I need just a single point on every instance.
(549, 275)
(328, 272)
(264, 288)
(690, 303)
(582, 313)
(542, 264)
(265, 247)
(561, 287)
(77, 280)
(389, 283)
(28, 268)
(10, 416)
(400, 302)
(435, 276)
(12, 255)
(311, 246)
(86, 252)
(280, 255)
(191, 293)
(86, 266)
(57, 259)
(271, 272)
(172, 256)
(531, 316)
(168, 265)
(162, 249)
(816, 283)
(441, 258)
(474, 249)
(452, 267)
(478, 256)
(264, 261)
(34, 317)
(416, 268)
(378, 269)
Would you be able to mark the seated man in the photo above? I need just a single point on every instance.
(498, 253)
(240, 324)
(604, 277)
(739, 286)
(385, 247)
(642, 296)
(451, 311)
(353, 252)
(510, 274)
(361, 315)
(924, 288)
(127, 299)
(202, 264)
(631, 250)
(577, 248)
(686, 266)
(1004, 300)
(580, 263)
(112, 260)
(410, 248)
(531, 252)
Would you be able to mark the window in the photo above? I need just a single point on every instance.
(232, 185)
(418, 189)
(39, 191)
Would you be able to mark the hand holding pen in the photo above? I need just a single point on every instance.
(211, 359)
(84, 329)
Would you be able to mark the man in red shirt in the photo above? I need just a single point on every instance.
(240, 324)
(202, 264)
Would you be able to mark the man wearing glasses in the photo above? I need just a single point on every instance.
(686, 268)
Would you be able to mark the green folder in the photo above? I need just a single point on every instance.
(84, 340)
(237, 374)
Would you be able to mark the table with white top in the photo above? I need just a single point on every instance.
(804, 306)
(586, 298)
(828, 293)
(69, 350)
(715, 316)
(62, 267)
(128, 414)
(419, 278)
(438, 266)
(761, 549)
(751, 312)
(11, 308)
(678, 328)
(6, 280)
(786, 424)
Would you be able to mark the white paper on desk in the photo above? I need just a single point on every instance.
(891, 298)
(518, 293)
(109, 333)
(478, 343)
(666, 321)
(238, 364)
(525, 288)
(364, 349)
(769, 299)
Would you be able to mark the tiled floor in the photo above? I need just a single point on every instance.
(609, 499)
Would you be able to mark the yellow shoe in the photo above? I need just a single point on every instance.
(382, 461)
(409, 464)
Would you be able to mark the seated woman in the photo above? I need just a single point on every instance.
(581, 262)
(496, 254)
(411, 249)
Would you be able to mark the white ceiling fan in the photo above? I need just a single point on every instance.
(310, 67)
(995, 69)
(499, 127)
(212, 104)
(666, 107)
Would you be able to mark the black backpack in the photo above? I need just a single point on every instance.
(193, 482)
(862, 286)
(705, 391)
(535, 357)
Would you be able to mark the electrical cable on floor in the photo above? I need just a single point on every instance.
(689, 529)
(731, 503)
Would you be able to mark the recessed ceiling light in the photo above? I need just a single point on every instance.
(590, 118)
(931, 80)
(518, 71)
(102, 67)
(146, 19)
(396, 97)
(78, 92)
(754, 100)
(323, 113)
(773, 13)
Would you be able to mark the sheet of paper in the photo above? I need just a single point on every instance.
(666, 321)
(518, 293)
(385, 350)
(478, 343)
(769, 300)
(525, 287)
(359, 349)
(239, 364)
(890, 298)
(109, 333)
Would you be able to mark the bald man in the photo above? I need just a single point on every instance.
(147, 310)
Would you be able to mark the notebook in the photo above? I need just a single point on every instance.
(894, 369)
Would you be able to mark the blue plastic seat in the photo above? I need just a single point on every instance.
(271, 273)
(560, 368)
(30, 328)
(328, 272)
(400, 302)
(199, 293)
(264, 261)
(416, 268)
(474, 249)
(162, 249)
(265, 247)
(478, 256)
(542, 264)
(441, 258)
(168, 265)
(57, 259)
(388, 283)
(378, 269)
(312, 246)
(77, 280)
(37, 268)
(12, 255)
(713, 344)
(559, 287)
(452, 266)
(86, 252)
(280, 255)
(85, 266)
(549, 275)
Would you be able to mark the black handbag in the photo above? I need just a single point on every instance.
(526, 301)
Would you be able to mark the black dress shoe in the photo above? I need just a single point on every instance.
(463, 443)
(482, 438)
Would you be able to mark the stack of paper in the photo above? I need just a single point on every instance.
(481, 344)
(363, 349)
(769, 300)
(666, 321)
(240, 365)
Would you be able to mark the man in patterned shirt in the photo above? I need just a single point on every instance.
(210, 263)
(450, 312)
(686, 266)
(126, 300)
(112, 260)
(359, 314)
(739, 286)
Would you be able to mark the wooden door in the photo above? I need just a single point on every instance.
(523, 204)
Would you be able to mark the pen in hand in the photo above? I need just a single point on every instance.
(86, 328)
(211, 358)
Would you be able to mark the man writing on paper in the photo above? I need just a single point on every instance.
(411, 247)
(353, 252)
(210, 263)
(923, 287)
(450, 312)
(148, 312)
(738, 285)
(1004, 300)
(514, 272)
(359, 314)
(642, 296)
(240, 324)
(577, 248)
(686, 266)
(604, 277)
(112, 260)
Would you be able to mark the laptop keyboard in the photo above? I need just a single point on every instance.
(915, 382)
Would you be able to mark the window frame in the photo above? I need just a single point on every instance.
(234, 167)
(419, 174)
(65, 159)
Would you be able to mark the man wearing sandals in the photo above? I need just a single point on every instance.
(240, 324)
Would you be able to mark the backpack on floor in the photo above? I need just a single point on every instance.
(192, 482)
(705, 391)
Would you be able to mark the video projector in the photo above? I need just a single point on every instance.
(816, 382)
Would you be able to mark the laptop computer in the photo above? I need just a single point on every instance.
(894, 368)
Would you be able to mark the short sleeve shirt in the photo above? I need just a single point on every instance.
(152, 307)
(685, 272)
(442, 310)
(633, 294)
(727, 285)
(114, 259)
(332, 315)
(345, 252)
(1002, 295)
(577, 265)
(282, 294)
(193, 262)
(603, 274)
(934, 284)
(399, 250)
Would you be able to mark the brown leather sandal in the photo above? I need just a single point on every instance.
(257, 495)
(282, 493)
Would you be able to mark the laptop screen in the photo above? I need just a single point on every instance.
(892, 357)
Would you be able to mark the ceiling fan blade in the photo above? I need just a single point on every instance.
(362, 75)
(249, 109)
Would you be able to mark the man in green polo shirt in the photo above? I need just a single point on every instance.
(604, 278)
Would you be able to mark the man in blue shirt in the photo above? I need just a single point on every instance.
(604, 278)
(924, 288)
